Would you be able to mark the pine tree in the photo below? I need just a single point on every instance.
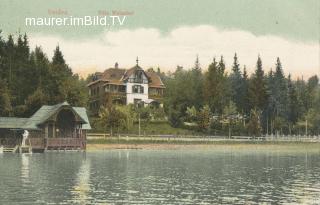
(293, 104)
(244, 98)
(5, 102)
(60, 73)
(302, 95)
(211, 91)
(257, 88)
(217, 91)
(279, 91)
(2, 57)
(196, 92)
(58, 58)
(236, 83)
(221, 66)
(254, 125)
(26, 74)
(312, 85)
(197, 64)
(35, 101)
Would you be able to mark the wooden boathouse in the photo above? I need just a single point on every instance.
(52, 127)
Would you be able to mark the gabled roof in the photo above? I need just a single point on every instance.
(111, 76)
(12, 122)
(41, 116)
(155, 80)
(83, 114)
(132, 70)
(119, 76)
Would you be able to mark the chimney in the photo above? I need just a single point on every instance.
(116, 65)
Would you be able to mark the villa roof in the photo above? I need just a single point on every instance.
(155, 80)
(119, 75)
(41, 116)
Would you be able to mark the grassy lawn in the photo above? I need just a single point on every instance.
(155, 128)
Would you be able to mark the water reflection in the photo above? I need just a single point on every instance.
(81, 189)
(25, 169)
(161, 177)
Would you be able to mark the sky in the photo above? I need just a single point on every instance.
(168, 33)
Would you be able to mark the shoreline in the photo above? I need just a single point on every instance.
(281, 146)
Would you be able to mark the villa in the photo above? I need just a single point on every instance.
(52, 127)
(122, 86)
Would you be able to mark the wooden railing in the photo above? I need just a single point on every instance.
(37, 142)
(56, 143)
(65, 142)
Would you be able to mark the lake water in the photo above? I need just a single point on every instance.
(161, 177)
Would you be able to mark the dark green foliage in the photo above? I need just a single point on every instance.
(254, 126)
(203, 118)
(244, 97)
(279, 91)
(293, 103)
(239, 86)
(217, 90)
(262, 102)
(111, 118)
(35, 101)
(257, 88)
(184, 89)
(32, 80)
(5, 103)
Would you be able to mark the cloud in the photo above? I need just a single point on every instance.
(180, 47)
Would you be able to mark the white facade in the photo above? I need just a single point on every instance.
(131, 96)
(137, 89)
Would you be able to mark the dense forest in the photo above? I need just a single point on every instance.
(209, 101)
(28, 79)
(216, 101)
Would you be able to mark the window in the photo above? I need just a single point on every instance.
(139, 76)
(137, 89)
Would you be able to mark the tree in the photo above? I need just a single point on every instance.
(244, 97)
(302, 95)
(111, 118)
(211, 86)
(191, 114)
(180, 95)
(237, 84)
(257, 88)
(277, 85)
(203, 118)
(196, 92)
(293, 104)
(5, 102)
(129, 116)
(216, 87)
(229, 113)
(254, 125)
(313, 114)
(35, 101)
(28, 74)
(58, 58)
(312, 85)
(279, 91)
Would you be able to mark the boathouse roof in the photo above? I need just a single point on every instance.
(12, 122)
(42, 115)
